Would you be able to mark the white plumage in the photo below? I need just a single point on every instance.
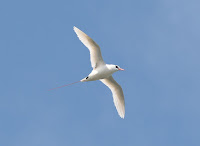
(95, 52)
(118, 96)
(102, 71)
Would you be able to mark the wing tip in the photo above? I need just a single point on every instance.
(121, 111)
(78, 31)
(75, 28)
(122, 115)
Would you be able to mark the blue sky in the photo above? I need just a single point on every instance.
(157, 42)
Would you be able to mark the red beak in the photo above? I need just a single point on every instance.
(121, 69)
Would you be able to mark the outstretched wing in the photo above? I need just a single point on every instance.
(118, 96)
(95, 52)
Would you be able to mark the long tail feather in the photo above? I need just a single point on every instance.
(64, 86)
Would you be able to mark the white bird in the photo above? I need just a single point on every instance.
(102, 72)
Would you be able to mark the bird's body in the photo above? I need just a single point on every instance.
(102, 71)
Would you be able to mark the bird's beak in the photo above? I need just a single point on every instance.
(121, 69)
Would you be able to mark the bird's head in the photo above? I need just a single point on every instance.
(115, 68)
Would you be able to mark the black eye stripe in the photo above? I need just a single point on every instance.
(87, 78)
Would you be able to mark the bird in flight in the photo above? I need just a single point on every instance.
(102, 71)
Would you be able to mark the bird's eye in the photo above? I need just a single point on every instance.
(87, 78)
(116, 66)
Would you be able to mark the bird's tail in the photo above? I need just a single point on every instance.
(64, 85)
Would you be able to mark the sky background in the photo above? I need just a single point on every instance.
(157, 42)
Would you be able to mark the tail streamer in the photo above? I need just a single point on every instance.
(64, 86)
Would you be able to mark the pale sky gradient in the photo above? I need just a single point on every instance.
(158, 44)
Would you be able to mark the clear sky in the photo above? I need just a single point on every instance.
(157, 42)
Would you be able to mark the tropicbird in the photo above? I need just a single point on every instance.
(102, 71)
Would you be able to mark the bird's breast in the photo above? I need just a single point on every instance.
(100, 73)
